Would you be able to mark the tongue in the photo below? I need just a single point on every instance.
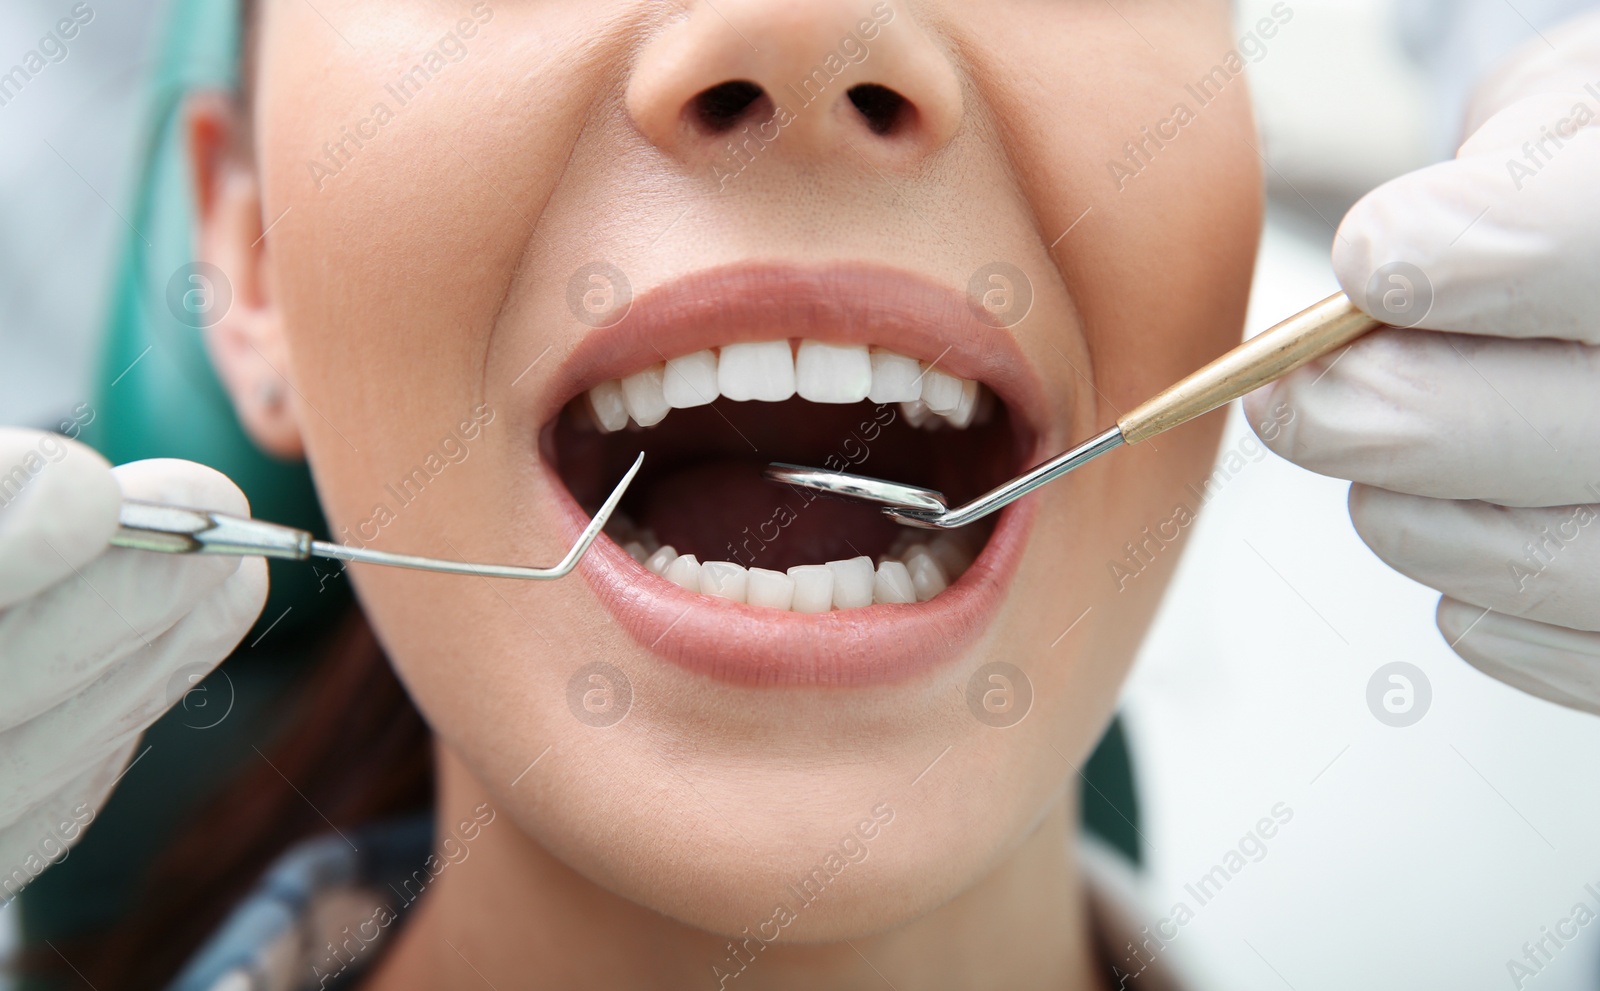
(725, 511)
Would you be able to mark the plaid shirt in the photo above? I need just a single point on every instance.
(320, 916)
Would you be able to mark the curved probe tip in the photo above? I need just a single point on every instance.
(598, 522)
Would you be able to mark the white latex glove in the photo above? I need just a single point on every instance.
(1474, 440)
(95, 641)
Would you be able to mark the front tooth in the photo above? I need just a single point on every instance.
(852, 582)
(895, 378)
(832, 373)
(724, 579)
(644, 396)
(605, 402)
(940, 391)
(927, 577)
(685, 571)
(660, 560)
(772, 589)
(892, 583)
(763, 371)
(813, 588)
(966, 406)
(691, 380)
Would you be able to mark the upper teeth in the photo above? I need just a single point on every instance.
(772, 371)
(761, 370)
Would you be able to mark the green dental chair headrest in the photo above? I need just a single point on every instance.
(156, 395)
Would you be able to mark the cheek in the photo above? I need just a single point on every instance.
(1158, 263)
(1158, 267)
(402, 214)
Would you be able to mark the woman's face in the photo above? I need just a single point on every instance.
(483, 214)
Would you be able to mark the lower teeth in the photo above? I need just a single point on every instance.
(915, 569)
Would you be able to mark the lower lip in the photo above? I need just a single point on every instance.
(750, 646)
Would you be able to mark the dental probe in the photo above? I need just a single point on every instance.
(149, 526)
(1307, 335)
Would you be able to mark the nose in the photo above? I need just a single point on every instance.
(820, 77)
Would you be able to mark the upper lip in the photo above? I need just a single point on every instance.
(840, 304)
(855, 303)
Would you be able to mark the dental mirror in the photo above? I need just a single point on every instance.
(1308, 335)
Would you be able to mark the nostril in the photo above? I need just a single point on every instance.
(883, 108)
(722, 106)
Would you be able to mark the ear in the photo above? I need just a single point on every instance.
(245, 340)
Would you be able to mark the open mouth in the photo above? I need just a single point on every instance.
(701, 516)
(853, 368)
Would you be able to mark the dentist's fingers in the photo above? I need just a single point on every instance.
(58, 507)
(1539, 564)
(1451, 416)
(63, 639)
(181, 483)
(40, 835)
(59, 642)
(1551, 662)
(1503, 236)
(1562, 60)
(65, 740)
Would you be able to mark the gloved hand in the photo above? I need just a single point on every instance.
(92, 638)
(1474, 439)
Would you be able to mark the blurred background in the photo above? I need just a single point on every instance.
(1417, 856)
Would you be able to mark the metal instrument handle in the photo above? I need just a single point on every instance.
(1270, 355)
(151, 526)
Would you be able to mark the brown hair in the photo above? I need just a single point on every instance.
(356, 750)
